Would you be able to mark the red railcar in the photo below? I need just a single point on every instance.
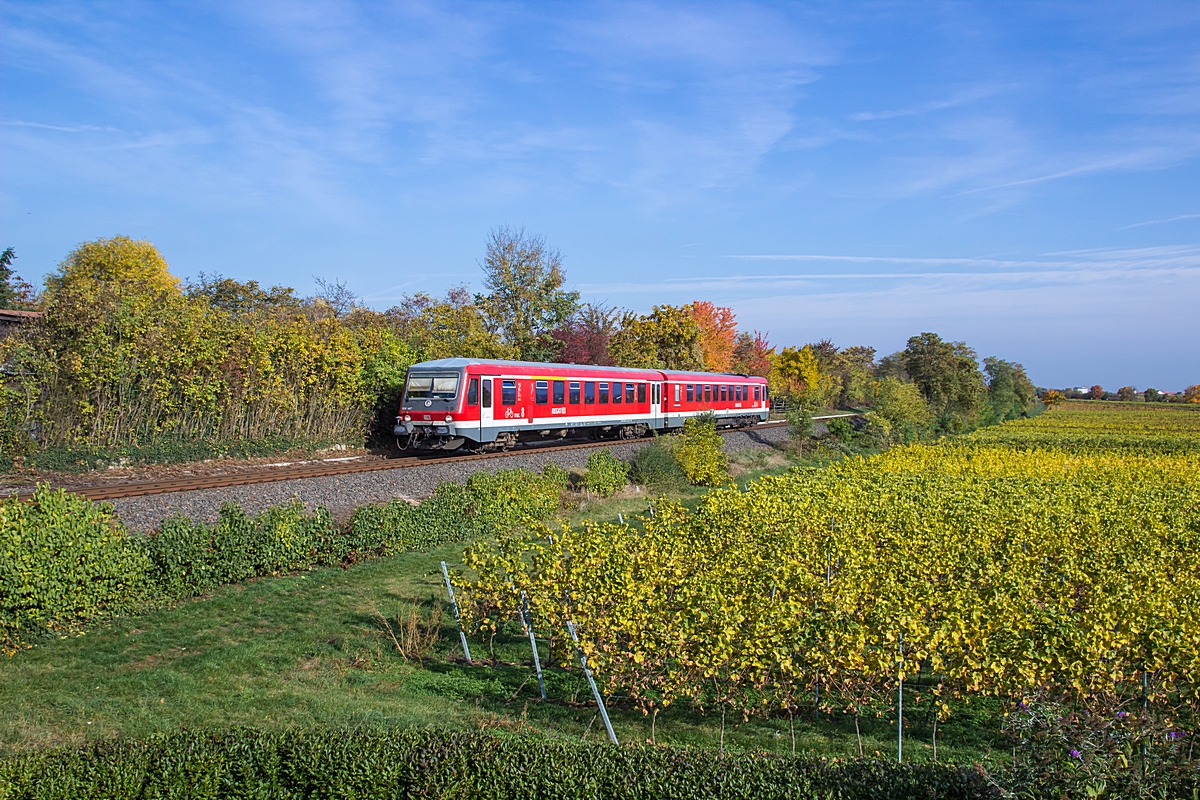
(485, 404)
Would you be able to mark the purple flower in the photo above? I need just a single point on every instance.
(1122, 714)
(1075, 754)
(1174, 735)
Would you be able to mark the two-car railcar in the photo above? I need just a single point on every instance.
(484, 404)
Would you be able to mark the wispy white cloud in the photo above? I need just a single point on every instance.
(1160, 221)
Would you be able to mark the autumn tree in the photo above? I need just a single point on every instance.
(1126, 393)
(243, 299)
(525, 299)
(447, 328)
(1192, 394)
(797, 375)
(583, 339)
(1096, 392)
(752, 354)
(1052, 397)
(718, 332)
(666, 338)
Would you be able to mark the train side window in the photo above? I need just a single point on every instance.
(541, 392)
(756, 397)
(641, 393)
(603, 392)
(575, 392)
(691, 393)
(764, 393)
(708, 392)
(589, 392)
(724, 393)
(560, 392)
(739, 394)
(678, 392)
(487, 393)
(473, 392)
(616, 393)
(508, 393)
(629, 393)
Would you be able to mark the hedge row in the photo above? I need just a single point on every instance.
(65, 560)
(402, 764)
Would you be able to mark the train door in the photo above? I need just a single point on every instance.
(656, 410)
(486, 404)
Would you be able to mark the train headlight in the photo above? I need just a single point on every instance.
(408, 417)
(449, 418)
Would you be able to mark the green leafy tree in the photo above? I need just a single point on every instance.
(1010, 392)
(1127, 394)
(1152, 395)
(903, 406)
(526, 301)
(947, 373)
(701, 453)
(15, 293)
(667, 338)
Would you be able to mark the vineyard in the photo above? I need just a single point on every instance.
(1061, 583)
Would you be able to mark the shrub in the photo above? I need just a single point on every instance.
(700, 452)
(842, 429)
(654, 466)
(606, 475)
(64, 560)
(192, 558)
(422, 763)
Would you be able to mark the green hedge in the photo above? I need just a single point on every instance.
(65, 560)
(401, 764)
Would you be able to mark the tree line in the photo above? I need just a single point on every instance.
(127, 354)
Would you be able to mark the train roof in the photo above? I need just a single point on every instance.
(460, 363)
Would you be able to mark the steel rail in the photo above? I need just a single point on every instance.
(116, 491)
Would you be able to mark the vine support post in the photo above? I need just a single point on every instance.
(900, 706)
(527, 618)
(457, 617)
(612, 737)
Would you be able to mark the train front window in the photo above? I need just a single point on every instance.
(437, 387)
(575, 392)
(541, 392)
(508, 393)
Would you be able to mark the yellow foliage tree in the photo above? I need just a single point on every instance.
(796, 373)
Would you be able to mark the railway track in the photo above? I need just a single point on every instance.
(323, 469)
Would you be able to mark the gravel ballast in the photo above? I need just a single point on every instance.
(341, 494)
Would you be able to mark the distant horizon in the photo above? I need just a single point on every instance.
(1023, 178)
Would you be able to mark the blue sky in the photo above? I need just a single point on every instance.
(1022, 176)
